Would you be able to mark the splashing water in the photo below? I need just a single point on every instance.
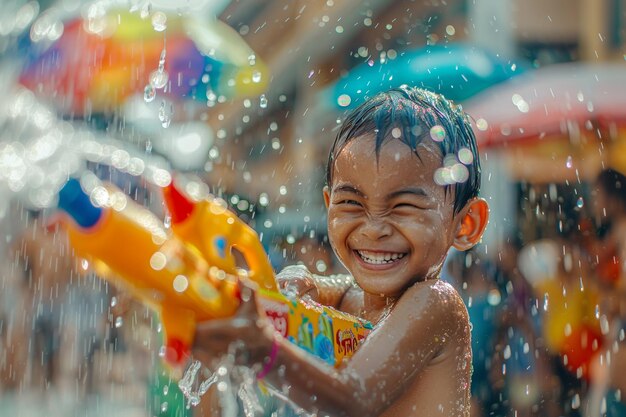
(165, 113)
(159, 21)
(248, 397)
(263, 101)
(149, 93)
(188, 381)
(159, 78)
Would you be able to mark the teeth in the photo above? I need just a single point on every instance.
(378, 258)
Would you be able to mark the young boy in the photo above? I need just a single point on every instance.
(402, 184)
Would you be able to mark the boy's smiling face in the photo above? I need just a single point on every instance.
(389, 222)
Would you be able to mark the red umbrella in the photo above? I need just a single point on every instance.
(552, 100)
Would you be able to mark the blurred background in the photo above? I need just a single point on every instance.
(245, 97)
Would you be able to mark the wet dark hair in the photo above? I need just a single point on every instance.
(415, 112)
(614, 183)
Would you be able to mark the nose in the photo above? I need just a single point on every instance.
(375, 228)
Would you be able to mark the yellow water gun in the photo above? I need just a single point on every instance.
(189, 274)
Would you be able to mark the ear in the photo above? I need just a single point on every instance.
(474, 218)
(326, 192)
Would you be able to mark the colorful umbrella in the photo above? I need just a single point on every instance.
(103, 58)
(458, 71)
(550, 101)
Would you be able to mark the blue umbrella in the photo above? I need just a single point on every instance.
(458, 71)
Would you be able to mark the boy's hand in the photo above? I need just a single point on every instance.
(248, 327)
(297, 281)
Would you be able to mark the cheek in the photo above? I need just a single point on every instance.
(335, 228)
(339, 221)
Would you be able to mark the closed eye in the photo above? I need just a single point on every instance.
(405, 205)
(349, 202)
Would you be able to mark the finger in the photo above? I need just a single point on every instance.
(248, 293)
(214, 332)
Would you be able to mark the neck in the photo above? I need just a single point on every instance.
(377, 306)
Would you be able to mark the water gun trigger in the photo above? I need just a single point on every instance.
(260, 269)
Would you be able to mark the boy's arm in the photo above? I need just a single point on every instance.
(298, 281)
(423, 323)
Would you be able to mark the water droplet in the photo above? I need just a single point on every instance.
(437, 133)
(263, 101)
(164, 407)
(604, 325)
(158, 79)
(580, 202)
(568, 162)
(507, 352)
(162, 59)
(145, 10)
(119, 321)
(149, 93)
(252, 59)
(180, 283)
(465, 156)
(459, 173)
(344, 100)
(166, 389)
(256, 76)
(165, 115)
(162, 111)
(159, 21)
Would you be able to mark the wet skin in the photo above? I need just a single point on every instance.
(391, 225)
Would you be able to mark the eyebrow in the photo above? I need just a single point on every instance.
(411, 190)
(348, 189)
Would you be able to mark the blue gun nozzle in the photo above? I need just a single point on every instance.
(75, 202)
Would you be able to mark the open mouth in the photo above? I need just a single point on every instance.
(380, 258)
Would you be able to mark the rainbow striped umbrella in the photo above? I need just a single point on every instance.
(103, 58)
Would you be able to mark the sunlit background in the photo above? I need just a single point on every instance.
(244, 98)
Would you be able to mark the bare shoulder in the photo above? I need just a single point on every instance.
(439, 295)
(435, 302)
